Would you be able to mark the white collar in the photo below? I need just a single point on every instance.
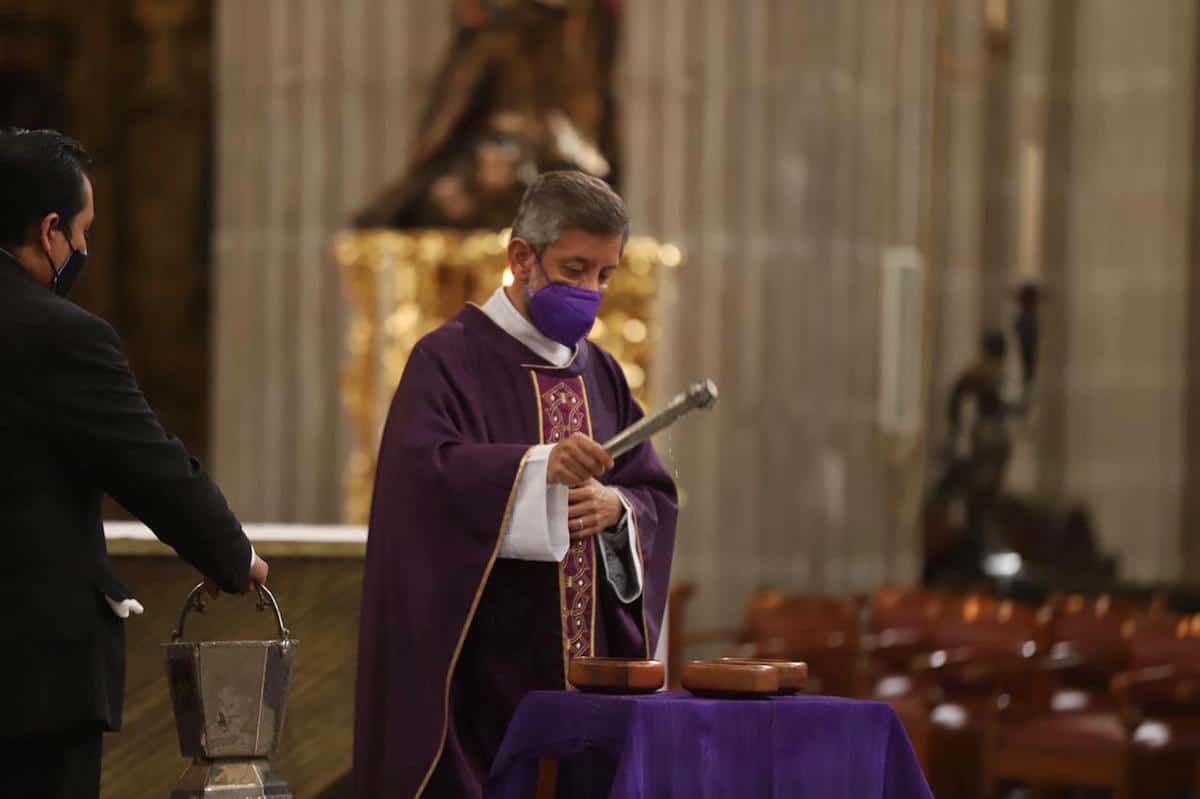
(501, 311)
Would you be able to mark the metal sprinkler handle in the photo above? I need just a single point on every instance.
(700, 395)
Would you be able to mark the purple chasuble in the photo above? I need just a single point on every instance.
(451, 636)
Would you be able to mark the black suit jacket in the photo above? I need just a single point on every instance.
(75, 426)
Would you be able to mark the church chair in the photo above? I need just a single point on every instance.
(900, 624)
(982, 650)
(1144, 743)
(821, 630)
(681, 637)
(899, 627)
(1090, 644)
(678, 599)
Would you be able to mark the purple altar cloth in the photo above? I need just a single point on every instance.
(671, 745)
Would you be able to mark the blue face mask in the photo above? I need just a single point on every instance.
(563, 312)
(64, 277)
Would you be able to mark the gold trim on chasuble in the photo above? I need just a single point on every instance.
(462, 635)
(562, 412)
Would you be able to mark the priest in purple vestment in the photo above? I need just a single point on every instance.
(504, 541)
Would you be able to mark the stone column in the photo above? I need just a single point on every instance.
(1048, 428)
(1120, 271)
(963, 100)
(1191, 492)
(780, 145)
(1033, 45)
(998, 191)
(316, 108)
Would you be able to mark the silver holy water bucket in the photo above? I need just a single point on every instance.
(230, 698)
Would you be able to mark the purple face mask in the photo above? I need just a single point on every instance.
(563, 312)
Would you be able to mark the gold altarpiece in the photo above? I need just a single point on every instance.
(404, 284)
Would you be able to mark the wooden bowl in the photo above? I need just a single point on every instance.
(730, 680)
(793, 674)
(616, 675)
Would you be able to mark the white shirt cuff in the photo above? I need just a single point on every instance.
(537, 528)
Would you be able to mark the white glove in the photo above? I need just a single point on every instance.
(124, 607)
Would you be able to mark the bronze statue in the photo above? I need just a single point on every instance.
(1025, 325)
(527, 87)
(969, 514)
(957, 512)
(979, 417)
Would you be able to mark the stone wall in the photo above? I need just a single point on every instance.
(1119, 86)
(316, 109)
(783, 145)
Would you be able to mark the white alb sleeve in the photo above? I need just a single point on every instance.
(537, 528)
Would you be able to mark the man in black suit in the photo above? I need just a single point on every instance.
(73, 427)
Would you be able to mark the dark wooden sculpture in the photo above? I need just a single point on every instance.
(971, 514)
(527, 87)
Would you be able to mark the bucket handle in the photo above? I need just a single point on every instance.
(197, 601)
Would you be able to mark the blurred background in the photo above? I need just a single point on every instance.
(940, 256)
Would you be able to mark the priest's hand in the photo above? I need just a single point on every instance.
(592, 508)
(576, 460)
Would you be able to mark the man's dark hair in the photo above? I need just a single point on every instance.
(567, 200)
(41, 172)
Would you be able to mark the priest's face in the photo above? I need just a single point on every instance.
(580, 259)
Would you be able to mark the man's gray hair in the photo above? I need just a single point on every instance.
(567, 200)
